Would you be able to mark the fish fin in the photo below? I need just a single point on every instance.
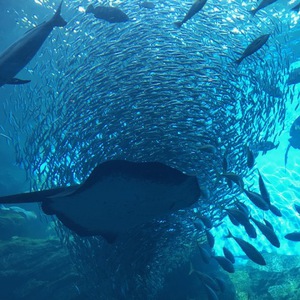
(57, 19)
(178, 24)
(110, 237)
(238, 61)
(286, 155)
(90, 9)
(229, 235)
(17, 81)
(192, 270)
(252, 12)
(32, 197)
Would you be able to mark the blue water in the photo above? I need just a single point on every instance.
(146, 91)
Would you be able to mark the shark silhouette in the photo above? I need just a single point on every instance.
(20, 53)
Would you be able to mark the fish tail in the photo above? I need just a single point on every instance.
(178, 24)
(229, 235)
(238, 61)
(192, 270)
(89, 9)
(57, 19)
(286, 155)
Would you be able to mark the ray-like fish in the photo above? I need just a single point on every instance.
(253, 47)
(107, 13)
(263, 4)
(116, 197)
(249, 250)
(195, 8)
(20, 53)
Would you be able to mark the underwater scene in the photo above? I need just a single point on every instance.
(149, 150)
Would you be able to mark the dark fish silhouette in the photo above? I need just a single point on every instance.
(205, 255)
(249, 250)
(275, 210)
(296, 8)
(210, 238)
(250, 229)
(262, 5)
(257, 200)
(228, 255)
(297, 208)
(116, 197)
(263, 190)
(253, 47)
(107, 13)
(294, 139)
(294, 236)
(264, 146)
(267, 232)
(196, 7)
(146, 4)
(250, 158)
(20, 53)
(294, 76)
(225, 263)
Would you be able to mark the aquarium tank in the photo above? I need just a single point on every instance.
(149, 149)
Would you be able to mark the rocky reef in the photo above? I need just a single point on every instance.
(36, 269)
(279, 280)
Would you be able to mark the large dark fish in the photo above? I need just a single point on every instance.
(237, 179)
(225, 263)
(228, 255)
(262, 5)
(294, 139)
(262, 188)
(257, 200)
(196, 7)
(107, 13)
(267, 232)
(250, 229)
(294, 236)
(294, 76)
(20, 53)
(253, 47)
(249, 250)
(116, 197)
(264, 146)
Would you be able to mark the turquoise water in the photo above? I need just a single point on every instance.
(145, 90)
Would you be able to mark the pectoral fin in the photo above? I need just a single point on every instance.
(17, 81)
